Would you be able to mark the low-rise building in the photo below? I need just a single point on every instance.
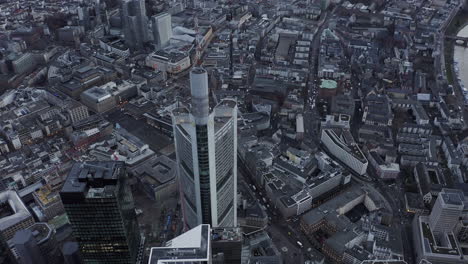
(157, 177)
(385, 170)
(36, 244)
(171, 61)
(14, 215)
(193, 246)
(341, 144)
(49, 202)
(98, 99)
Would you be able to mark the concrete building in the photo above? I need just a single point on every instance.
(345, 233)
(14, 215)
(444, 251)
(193, 246)
(36, 244)
(98, 99)
(430, 181)
(115, 45)
(27, 249)
(162, 29)
(446, 211)
(157, 177)
(377, 110)
(170, 61)
(433, 235)
(260, 241)
(341, 144)
(130, 148)
(328, 88)
(385, 170)
(299, 127)
(49, 202)
(336, 121)
(24, 63)
(327, 181)
(77, 112)
(135, 23)
(105, 97)
(71, 253)
(227, 243)
(206, 147)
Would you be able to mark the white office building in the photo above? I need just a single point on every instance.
(446, 211)
(193, 246)
(162, 29)
(206, 147)
(341, 144)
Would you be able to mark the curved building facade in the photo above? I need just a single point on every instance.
(206, 147)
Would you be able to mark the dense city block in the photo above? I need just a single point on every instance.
(234, 131)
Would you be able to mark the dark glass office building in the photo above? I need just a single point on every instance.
(100, 207)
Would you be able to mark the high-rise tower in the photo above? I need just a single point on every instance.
(135, 23)
(162, 29)
(446, 211)
(206, 148)
(99, 205)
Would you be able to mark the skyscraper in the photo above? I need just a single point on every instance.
(206, 148)
(135, 23)
(99, 205)
(446, 211)
(162, 29)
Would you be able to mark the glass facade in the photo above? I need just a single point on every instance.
(204, 170)
(104, 222)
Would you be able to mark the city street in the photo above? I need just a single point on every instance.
(395, 196)
(285, 234)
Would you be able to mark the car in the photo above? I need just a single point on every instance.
(300, 244)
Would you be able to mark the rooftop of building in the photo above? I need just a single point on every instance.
(40, 231)
(46, 195)
(452, 197)
(344, 139)
(328, 210)
(259, 248)
(97, 94)
(156, 170)
(191, 246)
(223, 112)
(220, 234)
(256, 117)
(12, 209)
(169, 54)
(93, 179)
(430, 244)
(132, 140)
(328, 84)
